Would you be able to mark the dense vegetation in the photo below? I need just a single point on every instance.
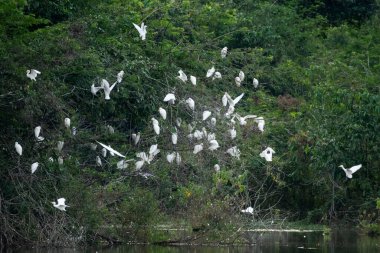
(318, 63)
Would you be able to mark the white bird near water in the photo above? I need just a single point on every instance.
(60, 145)
(210, 72)
(182, 76)
(120, 76)
(67, 122)
(190, 102)
(255, 83)
(223, 52)
(94, 89)
(34, 167)
(156, 126)
(60, 204)
(213, 145)
(351, 170)
(37, 131)
(111, 150)
(205, 115)
(248, 210)
(241, 76)
(170, 98)
(267, 154)
(162, 112)
(107, 88)
(136, 138)
(32, 74)
(193, 80)
(234, 151)
(141, 29)
(198, 148)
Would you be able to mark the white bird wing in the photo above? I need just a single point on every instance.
(111, 150)
(139, 29)
(206, 114)
(250, 117)
(61, 201)
(241, 76)
(237, 99)
(355, 168)
(168, 97)
(153, 148)
(35, 72)
(193, 80)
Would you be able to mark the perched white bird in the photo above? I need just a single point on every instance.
(232, 133)
(156, 126)
(255, 83)
(93, 146)
(153, 149)
(211, 136)
(223, 52)
(111, 150)
(139, 164)
(198, 148)
(217, 167)
(260, 123)
(143, 156)
(213, 122)
(34, 167)
(60, 160)
(205, 115)
(267, 154)
(120, 76)
(170, 98)
(32, 74)
(110, 129)
(67, 122)
(170, 157)
(198, 134)
(351, 170)
(241, 76)
(225, 99)
(190, 102)
(141, 29)
(190, 127)
(162, 112)
(60, 145)
(153, 154)
(136, 138)
(193, 80)
(213, 145)
(178, 159)
(233, 102)
(98, 161)
(237, 81)
(104, 152)
(51, 159)
(217, 75)
(182, 76)
(37, 131)
(122, 164)
(243, 120)
(74, 130)
(248, 210)
(210, 72)
(234, 151)
(174, 138)
(178, 122)
(94, 89)
(107, 88)
(60, 204)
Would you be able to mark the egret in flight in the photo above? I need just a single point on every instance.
(267, 154)
(60, 204)
(111, 150)
(351, 170)
(107, 88)
(141, 29)
(32, 74)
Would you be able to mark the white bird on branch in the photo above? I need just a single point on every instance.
(255, 83)
(107, 88)
(60, 145)
(193, 80)
(34, 167)
(182, 76)
(37, 131)
(351, 170)
(162, 112)
(60, 160)
(225, 99)
(198, 134)
(110, 129)
(213, 122)
(237, 81)
(241, 76)
(60, 204)
(174, 138)
(205, 115)
(217, 75)
(32, 74)
(223, 52)
(260, 123)
(248, 210)
(136, 138)
(153, 149)
(141, 29)
(243, 120)
(104, 152)
(111, 150)
(267, 154)
(170, 157)
(94, 89)
(170, 98)
(216, 167)
(139, 164)
(198, 148)
(210, 72)
(190, 102)
(178, 159)
(234, 151)
(98, 161)
(232, 133)
(120, 76)
(156, 126)
(213, 145)
(67, 122)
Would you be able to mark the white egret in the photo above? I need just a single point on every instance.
(34, 167)
(232, 133)
(122, 164)
(216, 167)
(120, 76)
(156, 126)
(110, 129)
(32, 74)
(170, 157)
(98, 161)
(198, 148)
(213, 145)
(243, 120)
(267, 154)
(37, 131)
(248, 210)
(205, 115)
(213, 122)
(193, 80)
(190, 102)
(211, 136)
(351, 170)
(255, 83)
(107, 88)
(51, 159)
(153, 149)
(111, 150)
(182, 76)
(74, 130)
(225, 99)
(136, 138)
(60, 204)
(198, 134)
(174, 138)
(162, 112)
(260, 123)
(230, 110)
(237, 81)
(234, 151)
(60, 160)
(143, 156)
(170, 98)
(141, 29)
(178, 159)
(60, 145)
(139, 164)
(241, 76)
(217, 75)
(210, 72)
(67, 122)
(223, 52)
(233, 102)
(94, 89)
(178, 122)
(93, 146)
(104, 152)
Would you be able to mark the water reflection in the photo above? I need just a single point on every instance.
(262, 242)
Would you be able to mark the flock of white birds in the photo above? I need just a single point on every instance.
(203, 138)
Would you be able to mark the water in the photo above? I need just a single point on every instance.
(262, 242)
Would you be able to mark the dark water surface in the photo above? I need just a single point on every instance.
(264, 242)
